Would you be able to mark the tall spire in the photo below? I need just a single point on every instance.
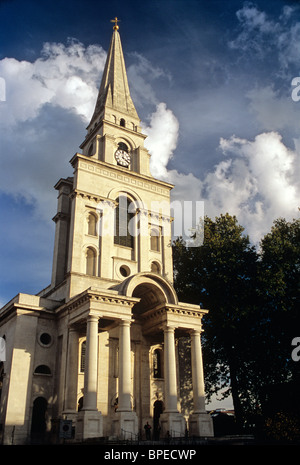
(114, 91)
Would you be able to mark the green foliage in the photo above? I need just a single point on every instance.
(282, 428)
(253, 302)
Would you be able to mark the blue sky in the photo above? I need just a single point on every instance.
(211, 81)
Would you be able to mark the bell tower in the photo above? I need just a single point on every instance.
(116, 214)
(114, 133)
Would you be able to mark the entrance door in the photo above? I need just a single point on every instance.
(38, 423)
(157, 410)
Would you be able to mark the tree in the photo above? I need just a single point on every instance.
(253, 303)
(279, 318)
(221, 276)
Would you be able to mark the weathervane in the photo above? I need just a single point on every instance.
(116, 21)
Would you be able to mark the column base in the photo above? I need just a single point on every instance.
(125, 425)
(89, 425)
(70, 415)
(201, 425)
(172, 424)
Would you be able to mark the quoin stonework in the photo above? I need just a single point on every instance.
(94, 355)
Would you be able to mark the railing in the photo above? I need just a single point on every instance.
(172, 437)
(129, 436)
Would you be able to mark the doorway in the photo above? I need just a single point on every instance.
(157, 410)
(38, 422)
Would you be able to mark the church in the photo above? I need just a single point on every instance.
(94, 355)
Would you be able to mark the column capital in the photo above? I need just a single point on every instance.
(125, 323)
(92, 317)
(168, 329)
(195, 332)
(72, 328)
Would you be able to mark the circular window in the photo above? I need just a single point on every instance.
(45, 339)
(124, 271)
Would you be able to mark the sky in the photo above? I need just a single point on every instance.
(215, 86)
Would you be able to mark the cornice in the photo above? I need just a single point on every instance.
(91, 295)
(105, 169)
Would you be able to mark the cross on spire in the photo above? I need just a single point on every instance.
(116, 21)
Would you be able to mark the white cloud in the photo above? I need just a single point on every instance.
(257, 183)
(274, 110)
(47, 105)
(264, 35)
(163, 132)
(162, 139)
(141, 75)
(63, 76)
(253, 19)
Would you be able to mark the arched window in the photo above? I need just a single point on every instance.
(82, 357)
(92, 224)
(124, 234)
(155, 239)
(91, 150)
(123, 146)
(157, 364)
(80, 403)
(122, 122)
(90, 262)
(155, 267)
(42, 370)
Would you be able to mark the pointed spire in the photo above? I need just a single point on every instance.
(114, 89)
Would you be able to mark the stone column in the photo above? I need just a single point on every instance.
(200, 422)
(72, 372)
(170, 371)
(124, 367)
(197, 373)
(171, 421)
(125, 421)
(91, 364)
(89, 421)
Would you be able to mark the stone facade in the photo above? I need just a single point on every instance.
(97, 347)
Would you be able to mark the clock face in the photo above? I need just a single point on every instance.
(122, 157)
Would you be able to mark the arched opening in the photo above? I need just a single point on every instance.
(157, 362)
(80, 404)
(150, 296)
(82, 356)
(91, 150)
(155, 240)
(38, 422)
(122, 122)
(152, 289)
(123, 225)
(92, 225)
(157, 411)
(123, 146)
(155, 267)
(42, 370)
(90, 262)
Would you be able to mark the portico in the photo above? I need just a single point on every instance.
(150, 312)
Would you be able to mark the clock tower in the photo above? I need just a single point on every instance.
(97, 348)
(118, 217)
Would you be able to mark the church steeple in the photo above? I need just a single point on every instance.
(115, 125)
(114, 95)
